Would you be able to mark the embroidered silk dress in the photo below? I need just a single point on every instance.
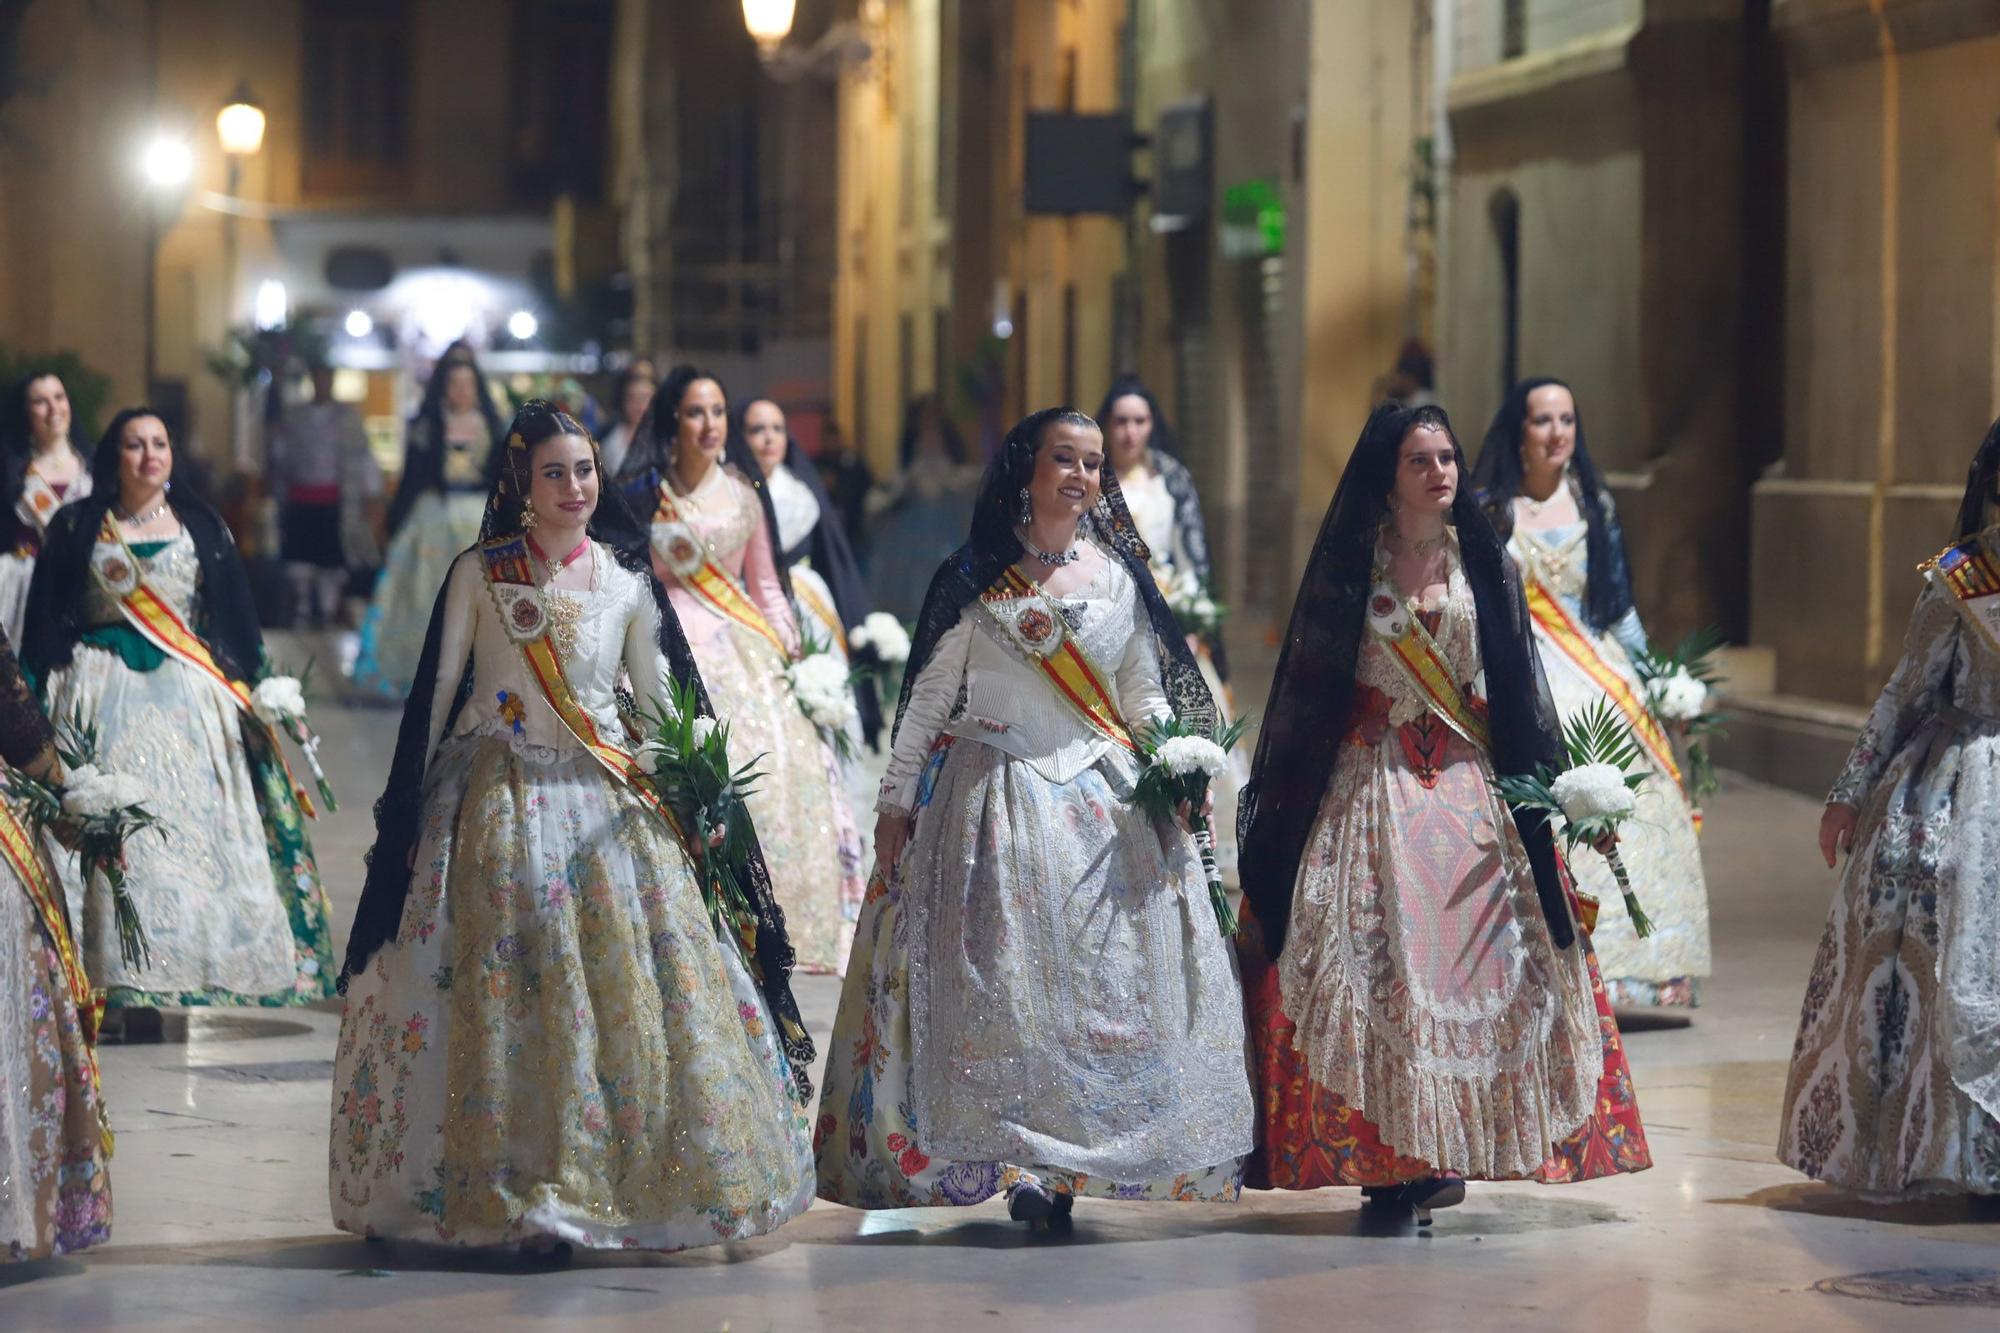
(1041, 990)
(21, 539)
(440, 524)
(1420, 1019)
(556, 1044)
(230, 897)
(803, 819)
(1895, 1079)
(55, 1195)
(1658, 845)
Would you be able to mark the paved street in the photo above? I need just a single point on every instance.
(220, 1181)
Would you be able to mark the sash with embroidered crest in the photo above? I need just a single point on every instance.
(1968, 572)
(510, 579)
(689, 559)
(1548, 612)
(1023, 613)
(1423, 664)
(40, 500)
(120, 574)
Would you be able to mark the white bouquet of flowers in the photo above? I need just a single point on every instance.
(882, 637)
(89, 792)
(1179, 764)
(1195, 611)
(1594, 795)
(279, 702)
(1679, 690)
(825, 693)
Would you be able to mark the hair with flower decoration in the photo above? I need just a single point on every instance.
(537, 422)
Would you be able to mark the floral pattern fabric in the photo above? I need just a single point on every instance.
(55, 1193)
(1658, 844)
(558, 1044)
(811, 843)
(230, 896)
(1894, 1088)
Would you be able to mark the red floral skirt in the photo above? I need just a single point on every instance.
(1308, 1138)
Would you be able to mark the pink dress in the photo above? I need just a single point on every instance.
(810, 840)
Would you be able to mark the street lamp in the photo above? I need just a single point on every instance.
(240, 124)
(770, 22)
(167, 161)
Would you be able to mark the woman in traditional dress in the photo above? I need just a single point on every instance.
(546, 1040)
(40, 472)
(1537, 484)
(631, 394)
(827, 590)
(712, 525)
(1423, 1007)
(1040, 1001)
(921, 514)
(141, 625)
(1895, 1082)
(55, 1194)
(434, 516)
(1159, 490)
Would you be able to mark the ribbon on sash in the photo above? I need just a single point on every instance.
(690, 560)
(119, 572)
(1555, 620)
(1023, 612)
(827, 615)
(1969, 573)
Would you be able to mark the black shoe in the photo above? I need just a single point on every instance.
(545, 1252)
(1423, 1196)
(1030, 1203)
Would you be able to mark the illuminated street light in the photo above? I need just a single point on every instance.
(769, 21)
(240, 124)
(358, 324)
(167, 161)
(522, 325)
(273, 305)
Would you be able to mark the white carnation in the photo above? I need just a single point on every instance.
(91, 791)
(651, 756)
(1680, 697)
(1592, 791)
(704, 727)
(1184, 755)
(885, 634)
(820, 684)
(278, 698)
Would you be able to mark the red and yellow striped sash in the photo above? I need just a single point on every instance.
(1417, 653)
(708, 580)
(823, 613)
(1568, 636)
(1077, 680)
(155, 619)
(506, 562)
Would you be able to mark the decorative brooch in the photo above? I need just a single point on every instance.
(1387, 615)
(680, 550)
(114, 569)
(513, 711)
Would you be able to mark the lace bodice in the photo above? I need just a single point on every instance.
(725, 513)
(173, 571)
(1557, 556)
(612, 627)
(1456, 636)
(980, 685)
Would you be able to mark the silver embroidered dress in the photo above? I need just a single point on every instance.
(1895, 1079)
(1041, 990)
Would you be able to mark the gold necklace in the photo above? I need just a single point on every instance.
(565, 611)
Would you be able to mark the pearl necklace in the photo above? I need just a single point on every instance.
(1053, 559)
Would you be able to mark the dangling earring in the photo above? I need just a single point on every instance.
(1027, 509)
(528, 519)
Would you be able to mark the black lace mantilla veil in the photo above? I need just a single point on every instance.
(992, 547)
(1981, 480)
(1306, 721)
(1496, 480)
(399, 811)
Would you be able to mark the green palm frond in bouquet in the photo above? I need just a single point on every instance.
(1594, 794)
(95, 814)
(1680, 691)
(686, 758)
(1179, 761)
